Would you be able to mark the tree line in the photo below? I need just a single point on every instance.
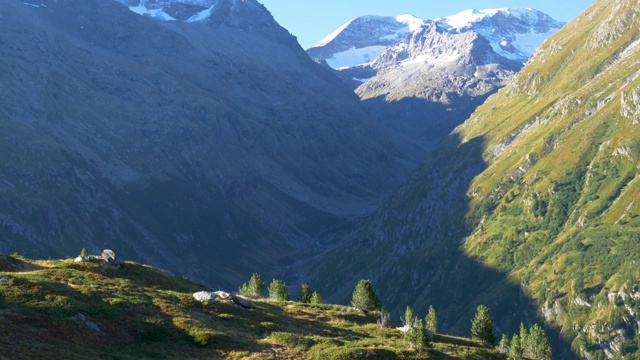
(531, 343)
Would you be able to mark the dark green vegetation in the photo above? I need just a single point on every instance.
(66, 310)
(482, 326)
(364, 297)
(532, 206)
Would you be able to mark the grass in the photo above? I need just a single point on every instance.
(140, 312)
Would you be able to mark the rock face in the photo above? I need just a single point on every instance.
(424, 77)
(160, 137)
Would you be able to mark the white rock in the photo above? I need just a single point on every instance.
(205, 297)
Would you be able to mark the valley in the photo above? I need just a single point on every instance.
(452, 162)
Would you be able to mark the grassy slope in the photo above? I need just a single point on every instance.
(144, 313)
(568, 227)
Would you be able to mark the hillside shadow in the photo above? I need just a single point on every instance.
(425, 122)
(412, 251)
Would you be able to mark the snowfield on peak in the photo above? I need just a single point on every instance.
(355, 57)
(202, 9)
(513, 34)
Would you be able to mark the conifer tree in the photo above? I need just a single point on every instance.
(409, 317)
(364, 297)
(316, 299)
(504, 344)
(515, 348)
(416, 335)
(305, 294)
(432, 320)
(524, 338)
(538, 346)
(482, 326)
(254, 288)
(278, 290)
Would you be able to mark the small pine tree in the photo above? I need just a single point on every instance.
(254, 288)
(316, 299)
(524, 339)
(432, 320)
(504, 344)
(515, 348)
(305, 294)
(364, 297)
(538, 346)
(482, 326)
(83, 253)
(409, 317)
(416, 335)
(278, 290)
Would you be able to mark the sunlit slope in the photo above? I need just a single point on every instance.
(558, 205)
(531, 206)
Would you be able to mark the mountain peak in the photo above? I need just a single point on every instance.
(470, 18)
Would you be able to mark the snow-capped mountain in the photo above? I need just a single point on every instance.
(512, 33)
(363, 39)
(424, 77)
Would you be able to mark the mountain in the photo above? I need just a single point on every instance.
(531, 206)
(404, 67)
(209, 145)
(70, 310)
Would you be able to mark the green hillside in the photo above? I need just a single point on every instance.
(533, 204)
(66, 310)
(558, 205)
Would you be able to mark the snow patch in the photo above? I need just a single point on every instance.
(411, 21)
(154, 13)
(397, 35)
(202, 15)
(354, 56)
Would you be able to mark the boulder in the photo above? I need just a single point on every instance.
(80, 259)
(82, 320)
(4, 280)
(404, 328)
(242, 301)
(205, 297)
(223, 295)
(110, 257)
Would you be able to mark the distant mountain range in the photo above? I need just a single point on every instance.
(424, 77)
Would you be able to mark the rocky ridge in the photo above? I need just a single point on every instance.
(444, 67)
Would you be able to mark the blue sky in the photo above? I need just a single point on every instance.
(311, 20)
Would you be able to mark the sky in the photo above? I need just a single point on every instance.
(312, 20)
